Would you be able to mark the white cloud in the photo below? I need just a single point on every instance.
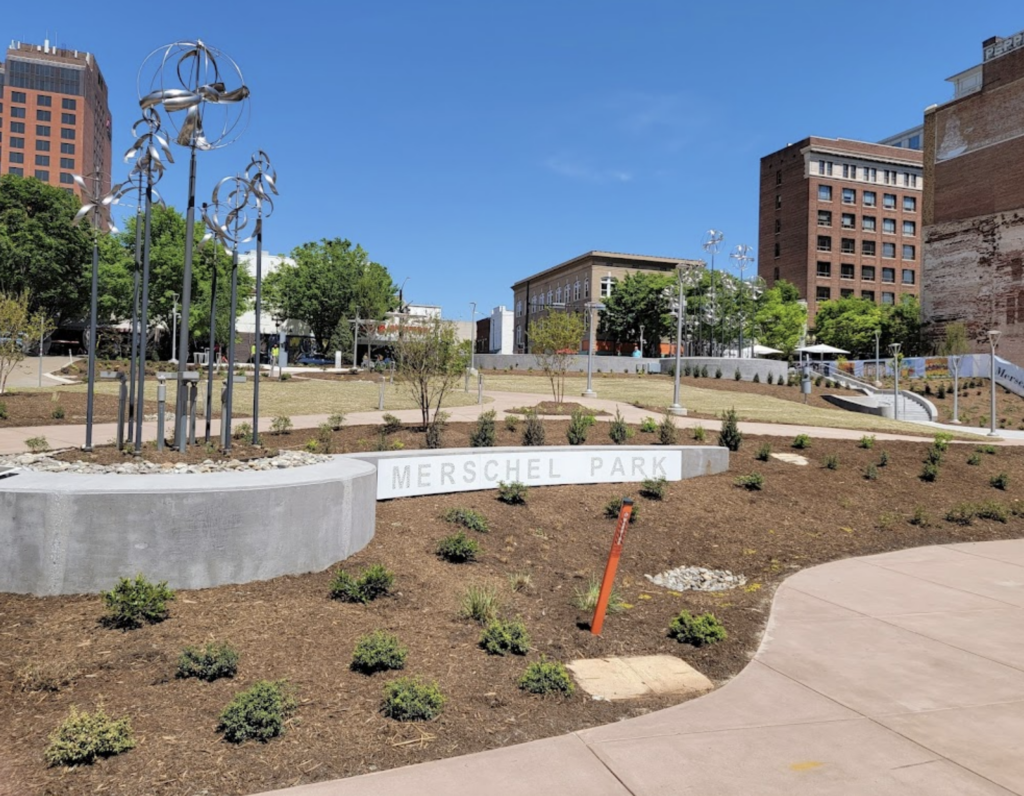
(575, 169)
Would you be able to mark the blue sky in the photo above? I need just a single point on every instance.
(468, 143)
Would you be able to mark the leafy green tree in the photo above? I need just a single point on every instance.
(850, 324)
(555, 341)
(41, 253)
(431, 360)
(19, 327)
(901, 323)
(780, 317)
(330, 282)
(639, 306)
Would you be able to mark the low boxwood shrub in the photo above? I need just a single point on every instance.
(867, 441)
(648, 425)
(468, 518)
(458, 548)
(699, 433)
(83, 737)
(653, 488)
(764, 453)
(257, 713)
(930, 472)
(513, 494)
(1000, 481)
(373, 582)
(614, 506)
(282, 424)
(546, 677)
(378, 651)
(502, 636)
(411, 699)
(391, 424)
(697, 630)
(208, 663)
(801, 442)
(131, 603)
(753, 482)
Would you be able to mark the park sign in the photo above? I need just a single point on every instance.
(412, 473)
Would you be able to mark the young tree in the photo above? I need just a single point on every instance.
(431, 360)
(781, 318)
(19, 328)
(850, 324)
(555, 340)
(639, 307)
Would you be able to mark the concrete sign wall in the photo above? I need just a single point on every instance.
(469, 469)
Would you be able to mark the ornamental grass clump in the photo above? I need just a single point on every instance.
(547, 677)
(481, 603)
(208, 663)
(502, 636)
(697, 630)
(378, 651)
(411, 699)
(585, 599)
(132, 603)
(83, 737)
(373, 582)
(259, 713)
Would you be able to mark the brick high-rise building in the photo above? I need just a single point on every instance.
(54, 117)
(974, 201)
(841, 218)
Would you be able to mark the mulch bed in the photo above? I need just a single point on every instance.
(58, 408)
(288, 628)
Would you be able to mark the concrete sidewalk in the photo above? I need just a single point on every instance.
(895, 674)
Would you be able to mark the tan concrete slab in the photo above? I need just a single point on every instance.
(996, 635)
(791, 458)
(628, 678)
(875, 591)
(1009, 550)
(877, 669)
(986, 740)
(915, 555)
(845, 757)
(800, 607)
(973, 574)
(562, 765)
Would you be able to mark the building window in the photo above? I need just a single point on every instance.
(889, 250)
(846, 271)
(848, 221)
(17, 96)
(825, 168)
(69, 104)
(16, 171)
(909, 227)
(909, 180)
(909, 204)
(867, 223)
(43, 130)
(519, 304)
(558, 294)
(607, 285)
(871, 175)
(67, 179)
(42, 146)
(67, 163)
(42, 175)
(824, 193)
(42, 160)
(868, 294)
(44, 100)
(888, 298)
(870, 197)
(778, 178)
(778, 226)
(889, 226)
(586, 288)
(17, 112)
(823, 293)
(519, 335)
(778, 201)
(42, 116)
(550, 297)
(914, 142)
(867, 248)
(867, 273)
(16, 157)
(576, 291)
(846, 292)
(17, 127)
(848, 246)
(67, 134)
(824, 243)
(67, 149)
(908, 276)
(889, 177)
(824, 218)
(775, 274)
(849, 172)
(889, 275)
(67, 118)
(824, 269)
(908, 251)
(889, 201)
(849, 196)
(15, 142)
(778, 250)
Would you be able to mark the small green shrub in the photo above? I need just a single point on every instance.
(484, 434)
(764, 453)
(378, 651)
(336, 421)
(37, 444)
(373, 582)
(458, 548)
(883, 458)
(618, 431)
(653, 488)
(686, 369)
(281, 424)
(704, 371)
(942, 440)
(208, 663)
(962, 514)
(801, 442)
(867, 441)
(770, 379)
(546, 677)
(919, 517)
(930, 472)
(699, 433)
(737, 375)
(697, 630)
(730, 436)
(467, 518)
(974, 459)
(579, 425)
(648, 425)
(533, 431)
(390, 423)
(410, 699)
(753, 482)
(512, 494)
(435, 434)
(83, 737)
(585, 599)
(1000, 481)
(519, 581)
(668, 434)
(324, 438)
(933, 455)
(718, 373)
(242, 431)
(941, 391)
(257, 713)
(614, 506)
(818, 380)
(991, 510)
(871, 472)
(757, 378)
(832, 462)
(3, 411)
(511, 423)
(57, 413)
(312, 446)
(480, 603)
(989, 449)
(134, 602)
(502, 636)
(285, 377)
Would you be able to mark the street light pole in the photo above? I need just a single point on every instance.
(677, 408)
(878, 381)
(993, 337)
(895, 349)
(472, 340)
(712, 243)
(174, 333)
(743, 255)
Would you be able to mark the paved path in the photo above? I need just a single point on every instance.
(895, 674)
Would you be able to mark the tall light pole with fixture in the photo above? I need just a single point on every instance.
(677, 408)
(878, 380)
(174, 332)
(742, 254)
(993, 338)
(895, 349)
(713, 239)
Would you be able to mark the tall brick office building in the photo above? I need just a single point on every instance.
(54, 117)
(841, 218)
(974, 201)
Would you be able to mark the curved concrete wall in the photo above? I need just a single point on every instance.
(69, 534)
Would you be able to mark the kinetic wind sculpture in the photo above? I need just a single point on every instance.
(713, 239)
(742, 254)
(190, 80)
(94, 199)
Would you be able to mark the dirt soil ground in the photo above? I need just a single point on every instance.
(57, 407)
(54, 653)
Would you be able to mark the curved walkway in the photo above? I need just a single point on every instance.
(901, 673)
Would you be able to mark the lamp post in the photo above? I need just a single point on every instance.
(895, 349)
(591, 308)
(174, 332)
(742, 254)
(993, 338)
(878, 335)
(713, 239)
(677, 408)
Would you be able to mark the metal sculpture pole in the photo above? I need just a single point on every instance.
(742, 254)
(713, 239)
(198, 84)
(210, 357)
(136, 277)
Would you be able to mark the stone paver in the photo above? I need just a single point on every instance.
(637, 676)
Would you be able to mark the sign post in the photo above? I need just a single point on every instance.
(610, 568)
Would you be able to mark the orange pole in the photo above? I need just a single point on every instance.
(610, 568)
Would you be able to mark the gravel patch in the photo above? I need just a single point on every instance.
(44, 463)
(697, 579)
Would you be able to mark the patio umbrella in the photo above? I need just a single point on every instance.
(764, 351)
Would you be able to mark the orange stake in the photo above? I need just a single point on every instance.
(613, 564)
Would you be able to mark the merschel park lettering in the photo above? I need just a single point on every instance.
(442, 474)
